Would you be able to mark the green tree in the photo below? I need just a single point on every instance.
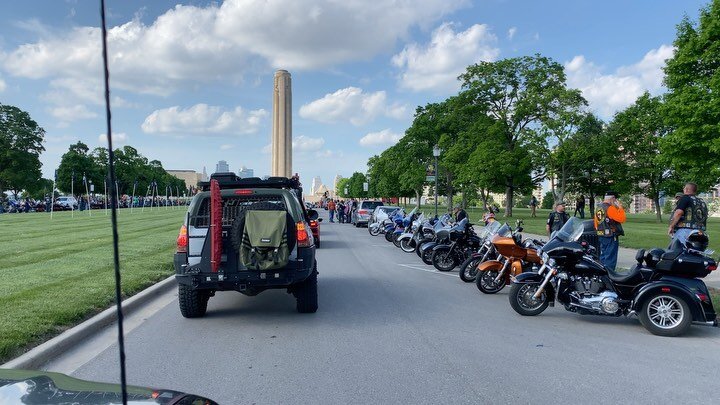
(21, 141)
(341, 186)
(640, 128)
(596, 162)
(547, 201)
(73, 164)
(692, 77)
(518, 93)
(355, 185)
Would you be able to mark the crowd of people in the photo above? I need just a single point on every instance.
(343, 209)
(82, 203)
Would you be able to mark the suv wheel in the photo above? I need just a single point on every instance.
(193, 303)
(306, 294)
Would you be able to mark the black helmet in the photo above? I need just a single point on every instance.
(697, 240)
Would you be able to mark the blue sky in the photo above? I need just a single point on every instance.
(192, 84)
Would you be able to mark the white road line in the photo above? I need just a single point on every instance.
(416, 267)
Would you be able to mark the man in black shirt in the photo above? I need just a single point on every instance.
(690, 214)
(460, 213)
(557, 218)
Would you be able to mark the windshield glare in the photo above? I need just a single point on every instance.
(504, 231)
(571, 231)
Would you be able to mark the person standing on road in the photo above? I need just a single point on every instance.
(609, 217)
(690, 214)
(580, 206)
(341, 211)
(533, 206)
(557, 218)
(331, 209)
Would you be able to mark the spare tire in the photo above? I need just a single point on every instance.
(238, 226)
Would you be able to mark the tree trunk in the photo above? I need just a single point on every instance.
(591, 207)
(658, 211)
(417, 199)
(508, 201)
(464, 199)
(484, 198)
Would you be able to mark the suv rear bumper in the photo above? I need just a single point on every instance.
(249, 282)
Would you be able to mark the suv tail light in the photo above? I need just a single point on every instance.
(303, 240)
(182, 240)
(363, 212)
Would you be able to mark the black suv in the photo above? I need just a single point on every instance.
(205, 264)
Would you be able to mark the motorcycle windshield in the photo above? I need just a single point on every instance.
(504, 231)
(489, 229)
(571, 231)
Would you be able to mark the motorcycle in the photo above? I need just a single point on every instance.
(441, 236)
(463, 241)
(663, 289)
(377, 226)
(394, 221)
(403, 226)
(517, 257)
(487, 251)
(407, 240)
(429, 229)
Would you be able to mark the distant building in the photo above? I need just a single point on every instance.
(190, 177)
(204, 175)
(222, 167)
(244, 173)
(316, 183)
(336, 181)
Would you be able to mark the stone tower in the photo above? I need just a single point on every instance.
(282, 125)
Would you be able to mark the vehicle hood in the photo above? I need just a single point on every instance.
(41, 387)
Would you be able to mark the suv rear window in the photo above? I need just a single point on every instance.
(231, 208)
(370, 205)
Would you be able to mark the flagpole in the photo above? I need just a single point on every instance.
(132, 200)
(106, 194)
(52, 206)
(72, 193)
(87, 193)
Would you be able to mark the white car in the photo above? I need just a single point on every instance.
(67, 202)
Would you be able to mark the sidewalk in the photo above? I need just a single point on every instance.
(626, 259)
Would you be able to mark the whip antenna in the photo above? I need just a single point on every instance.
(113, 209)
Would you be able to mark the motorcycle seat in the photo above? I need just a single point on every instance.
(624, 278)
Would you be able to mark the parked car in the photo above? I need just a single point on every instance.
(315, 229)
(66, 202)
(365, 209)
(237, 252)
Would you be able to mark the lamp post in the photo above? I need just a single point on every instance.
(436, 154)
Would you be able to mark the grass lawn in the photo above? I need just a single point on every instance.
(641, 230)
(56, 273)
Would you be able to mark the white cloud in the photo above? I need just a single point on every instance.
(267, 149)
(304, 143)
(511, 33)
(353, 105)
(327, 153)
(384, 137)
(119, 138)
(436, 66)
(3, 86)
(72, 113)
(203, 119)
(226, 146)
(222, 42)
(608, 93)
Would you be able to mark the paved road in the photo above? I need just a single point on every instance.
(392, 330)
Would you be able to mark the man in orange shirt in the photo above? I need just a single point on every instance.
(331, 208)
(608, 218)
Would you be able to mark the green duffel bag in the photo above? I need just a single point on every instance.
(264, 242)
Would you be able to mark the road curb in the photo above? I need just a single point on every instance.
(49, 350)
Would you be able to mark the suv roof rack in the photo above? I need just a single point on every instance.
(231, 180)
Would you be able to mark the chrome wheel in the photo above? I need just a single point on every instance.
(665, 312)
(526, 299)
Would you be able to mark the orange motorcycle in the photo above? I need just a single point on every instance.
(515, 257)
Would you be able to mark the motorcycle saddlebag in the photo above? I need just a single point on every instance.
(682, 264)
